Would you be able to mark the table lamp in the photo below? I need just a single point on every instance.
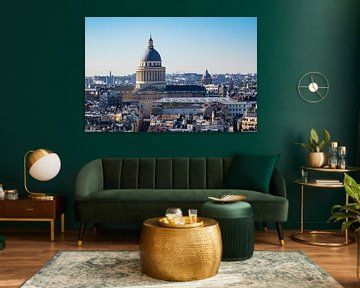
(43, 165)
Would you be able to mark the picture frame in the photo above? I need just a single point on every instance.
(188, 74)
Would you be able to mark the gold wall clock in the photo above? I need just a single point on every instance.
(313, 87)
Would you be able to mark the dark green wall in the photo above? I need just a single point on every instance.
(42, 76)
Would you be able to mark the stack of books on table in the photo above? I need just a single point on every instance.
(328, 181)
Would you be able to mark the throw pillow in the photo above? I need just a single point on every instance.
(251, 172)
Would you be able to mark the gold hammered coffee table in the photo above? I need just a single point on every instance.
(180, 254)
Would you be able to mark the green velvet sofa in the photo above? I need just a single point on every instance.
(130, 190)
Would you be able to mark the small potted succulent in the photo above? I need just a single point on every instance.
(317, 157)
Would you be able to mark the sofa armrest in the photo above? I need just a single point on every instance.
(277, 184)
(89, 179)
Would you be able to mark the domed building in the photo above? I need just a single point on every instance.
(150, 75)
(151, 86)
(206, 78)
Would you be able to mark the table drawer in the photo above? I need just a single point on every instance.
(28, 209)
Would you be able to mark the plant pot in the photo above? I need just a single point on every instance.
(317, 159)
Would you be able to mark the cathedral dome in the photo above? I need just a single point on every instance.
(150, 53)
(150, 75)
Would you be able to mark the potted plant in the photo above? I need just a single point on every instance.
(317, 157)
(350, 214)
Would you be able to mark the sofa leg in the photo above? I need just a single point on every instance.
(81, 233)
(265, 227)
(280, 233)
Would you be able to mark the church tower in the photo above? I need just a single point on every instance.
(206, 78)
(150, 75)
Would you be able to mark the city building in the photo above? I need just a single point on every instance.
(198, 105)
(150, 75)
(151, 85)
(206, 79)
(248, 122)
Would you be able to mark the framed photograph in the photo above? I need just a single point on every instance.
(170, 74)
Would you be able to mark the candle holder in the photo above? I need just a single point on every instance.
(342, 153)
(333, 162)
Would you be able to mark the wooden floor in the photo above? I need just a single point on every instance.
(28, 250)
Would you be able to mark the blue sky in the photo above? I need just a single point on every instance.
(186, 44)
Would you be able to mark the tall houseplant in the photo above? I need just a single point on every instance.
(317, 157)
(350, 214)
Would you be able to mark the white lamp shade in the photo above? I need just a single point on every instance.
(46, 168)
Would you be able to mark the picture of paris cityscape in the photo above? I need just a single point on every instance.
(170, 74)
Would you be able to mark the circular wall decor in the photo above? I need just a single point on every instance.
(313, 87)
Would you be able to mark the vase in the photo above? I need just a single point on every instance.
(317, 159)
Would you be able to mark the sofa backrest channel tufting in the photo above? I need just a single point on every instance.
(164, 173)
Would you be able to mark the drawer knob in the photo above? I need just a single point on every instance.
(29, 209)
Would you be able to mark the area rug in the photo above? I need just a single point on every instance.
(80, 269)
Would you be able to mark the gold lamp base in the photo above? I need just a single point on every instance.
(41, 196)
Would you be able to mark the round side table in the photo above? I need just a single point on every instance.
(180, 254)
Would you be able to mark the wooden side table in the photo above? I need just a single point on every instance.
(27, 209)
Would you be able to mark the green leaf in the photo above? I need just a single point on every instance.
(350, 207)
(336, 216)
(314, 136)
(352, 188)
(306, 146)
(321, 146)
(326, 136)
(312, 144)
(346, 225)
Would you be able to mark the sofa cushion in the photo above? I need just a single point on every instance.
(251, 172)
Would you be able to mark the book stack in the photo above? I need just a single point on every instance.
(327, 181)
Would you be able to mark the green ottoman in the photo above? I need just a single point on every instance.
(236, 221)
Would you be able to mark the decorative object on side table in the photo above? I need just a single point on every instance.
(2, 192)
(2, 242)
(317, 157)
(333, 149)
(304, 176)
(175, 219)
(342, 153)
(350, 213)
(187, 223)
(11, 194)
(174, 215)
(43, 165)
(228, 198)
(193, 213)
